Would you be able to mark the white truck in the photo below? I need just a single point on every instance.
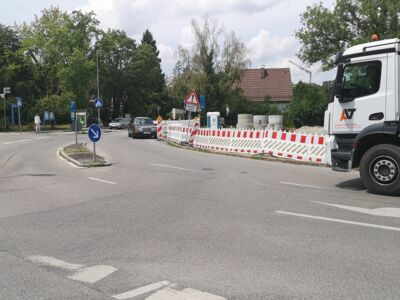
(363, 115)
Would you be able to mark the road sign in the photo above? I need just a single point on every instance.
(72, 106)
(191, 107)
(19, 101)
(203, 102)
(98, 102)
(192, 99)
(94, 133)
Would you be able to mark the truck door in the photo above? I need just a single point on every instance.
(362, 101)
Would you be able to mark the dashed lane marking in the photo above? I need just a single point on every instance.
(93, 274)
(52, 262)
(339, 221)
(142, 290)
(186, 294)
(307, 186)
(380, 212)
(101, 180)
(171, 167)
(19, 141)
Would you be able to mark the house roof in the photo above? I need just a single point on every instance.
(277, 84)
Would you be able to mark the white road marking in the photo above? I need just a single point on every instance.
(142, 290)
(186, 294)
(307, 186)
(339, 221)
(101, 180)
(53, 262)
(41, 138)
(93, 274)
(171, 167)
(380, 212)
(19, 141)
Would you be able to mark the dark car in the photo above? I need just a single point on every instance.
(142, 127)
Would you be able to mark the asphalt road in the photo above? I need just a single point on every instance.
(169, 223)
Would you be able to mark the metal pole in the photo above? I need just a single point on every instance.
(97, 62)
(94, 151)
(76, 129)
(5, 120)
(190, 114)
(19, 119)
(98, 86)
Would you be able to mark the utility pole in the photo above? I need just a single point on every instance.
(98, 86)
(6, 91)
(302, 68)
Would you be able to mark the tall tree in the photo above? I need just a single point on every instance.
(210, 70)
(147, 38)
(60, 43)
(115, 55)
(16, 71)
(324, 32)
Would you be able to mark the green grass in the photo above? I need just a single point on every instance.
(74, 149)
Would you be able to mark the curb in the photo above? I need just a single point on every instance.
(61, 152)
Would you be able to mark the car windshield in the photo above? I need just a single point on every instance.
(117, 120)
(145, 121)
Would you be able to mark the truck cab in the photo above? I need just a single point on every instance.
(363, 115)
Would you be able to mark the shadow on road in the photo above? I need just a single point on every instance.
(353, 184)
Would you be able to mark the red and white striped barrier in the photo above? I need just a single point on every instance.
(297, 146)
(160, 129)
(194, 132)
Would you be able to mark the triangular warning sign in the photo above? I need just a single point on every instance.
(192, 98)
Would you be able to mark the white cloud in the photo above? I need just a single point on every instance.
(267, 48)
(167, 55)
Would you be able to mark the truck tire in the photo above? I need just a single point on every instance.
(379, 169)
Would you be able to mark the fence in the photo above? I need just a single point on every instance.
(297, 146)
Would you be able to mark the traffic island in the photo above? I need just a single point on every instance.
(81, 156)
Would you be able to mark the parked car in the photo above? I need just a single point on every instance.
(118, 123)
(142, 127)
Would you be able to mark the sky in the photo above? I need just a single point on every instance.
(266, 27)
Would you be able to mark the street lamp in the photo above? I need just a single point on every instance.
(6, 91)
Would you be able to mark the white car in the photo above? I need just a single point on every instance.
(118, 123)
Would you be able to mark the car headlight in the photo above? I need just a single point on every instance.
(153, 129)
(140, 129)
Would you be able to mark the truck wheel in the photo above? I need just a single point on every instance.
(379, 169)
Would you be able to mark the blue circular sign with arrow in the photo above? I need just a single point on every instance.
(94, 133)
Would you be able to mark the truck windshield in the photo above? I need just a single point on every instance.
(361, 80)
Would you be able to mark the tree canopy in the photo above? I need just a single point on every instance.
(211, 67)
(326, 31)
(53, 60)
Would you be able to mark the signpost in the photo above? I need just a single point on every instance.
(19, 104)
(6, 90)
(94, 134)
(192, 104)
(72, 108)
(99, 104)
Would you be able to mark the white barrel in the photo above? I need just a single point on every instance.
(260, 121)
(275, 119)
(245, 118)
